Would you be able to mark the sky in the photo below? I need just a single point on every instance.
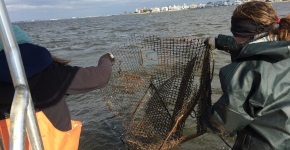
(27, 10)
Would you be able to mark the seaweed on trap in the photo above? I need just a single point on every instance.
(156, 85)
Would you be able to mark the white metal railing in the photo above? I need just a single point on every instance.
(22, 115)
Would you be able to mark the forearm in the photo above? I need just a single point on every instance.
(91, 78)
(228, 44)
(224, 42)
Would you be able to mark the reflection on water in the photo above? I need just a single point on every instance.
(83, 41)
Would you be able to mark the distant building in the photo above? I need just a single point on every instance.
(139, 10)
(174, 7)
(209, 4)
(178, 7)
(155, 9)
(192, 6)
(185, 6)
(145, 10)
(165, 8)
(219, 3)
(201, 5)
(238, 2)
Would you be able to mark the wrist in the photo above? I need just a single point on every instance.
(112, 59)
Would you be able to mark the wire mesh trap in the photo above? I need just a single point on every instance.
(156, 84)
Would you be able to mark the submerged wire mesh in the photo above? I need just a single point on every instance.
(157, 83)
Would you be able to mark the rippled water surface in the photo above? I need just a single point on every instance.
(83, 41)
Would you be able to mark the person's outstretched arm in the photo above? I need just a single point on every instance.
(91, 78)
(225, 43)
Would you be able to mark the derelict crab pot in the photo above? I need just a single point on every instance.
(157, 83)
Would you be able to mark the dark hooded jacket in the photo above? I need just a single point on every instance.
(256, 98)
(51, 83)
(34, 58)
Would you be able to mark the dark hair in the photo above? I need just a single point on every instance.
(60, 61)
(264, 13)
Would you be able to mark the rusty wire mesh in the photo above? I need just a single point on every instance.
(157, 83)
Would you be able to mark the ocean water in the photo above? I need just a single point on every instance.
(84, 40)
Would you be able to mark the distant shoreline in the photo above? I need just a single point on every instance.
(143, 13)
(179, 10)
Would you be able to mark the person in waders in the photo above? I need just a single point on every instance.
(50, 80)
(255, 103)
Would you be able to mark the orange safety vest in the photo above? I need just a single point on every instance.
(52, 138)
